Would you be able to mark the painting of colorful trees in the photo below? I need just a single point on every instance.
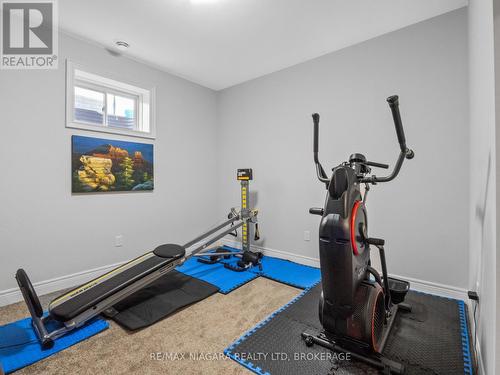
(103, 165)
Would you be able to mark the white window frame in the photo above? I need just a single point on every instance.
(77, 75)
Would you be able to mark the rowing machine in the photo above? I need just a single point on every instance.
(79, 305)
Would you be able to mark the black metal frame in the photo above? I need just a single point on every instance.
(248, 258)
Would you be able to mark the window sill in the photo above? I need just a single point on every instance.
(102, 129)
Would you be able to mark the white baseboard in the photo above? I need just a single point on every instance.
(14, 295)
(297, 258)
(438, 289)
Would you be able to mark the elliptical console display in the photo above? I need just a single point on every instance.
(357, 305)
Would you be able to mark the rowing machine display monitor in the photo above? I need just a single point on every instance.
(357, 305)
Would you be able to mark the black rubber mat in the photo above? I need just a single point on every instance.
(432, 339)
(162, 298)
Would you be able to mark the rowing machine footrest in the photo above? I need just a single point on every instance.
(251, 257)
(208, 261)
(248, 259)
(213, 257)
(240, 267)
(29, 293)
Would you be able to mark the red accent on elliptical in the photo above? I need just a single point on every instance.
(353, 227)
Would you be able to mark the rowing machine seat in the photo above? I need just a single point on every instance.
(170, 250)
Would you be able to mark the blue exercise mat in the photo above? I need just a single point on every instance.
(19, 346)
(287, 272)
(216, 274)
(281, 270)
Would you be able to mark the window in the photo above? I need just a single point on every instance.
(102, 104)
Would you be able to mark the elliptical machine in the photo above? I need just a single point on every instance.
(357, 306)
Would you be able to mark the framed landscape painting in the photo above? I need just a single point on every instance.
(104, 165)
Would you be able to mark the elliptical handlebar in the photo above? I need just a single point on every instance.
(405, 153)
(319, 168)
(377, 165)
(315, 117)
(394, 104)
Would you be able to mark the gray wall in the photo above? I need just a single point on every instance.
(483, 184)
(266, 124)
(53, 233)
(494, 249)
(484, 41)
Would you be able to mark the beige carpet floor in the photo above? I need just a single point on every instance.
(202, 330)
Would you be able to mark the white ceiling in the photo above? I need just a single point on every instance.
(220, 43)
